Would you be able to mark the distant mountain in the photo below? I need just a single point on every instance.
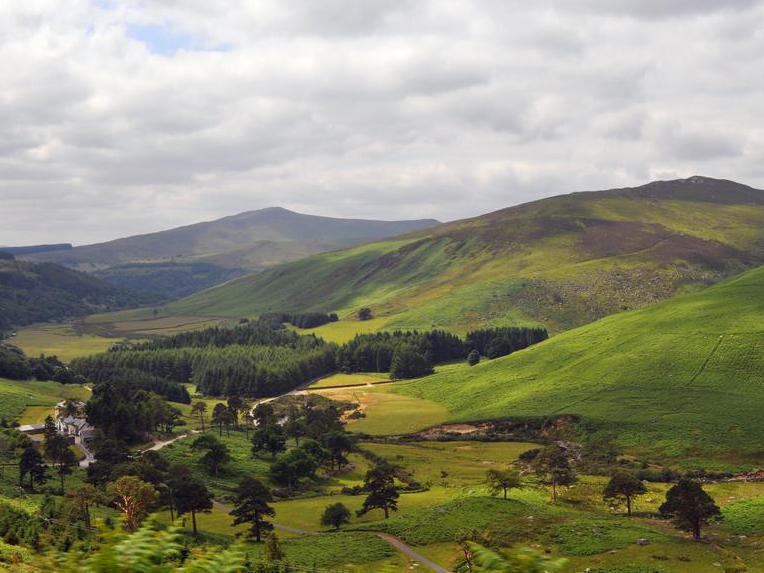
(229, 247)
(563, 261)
(32, 249)
(42, 292)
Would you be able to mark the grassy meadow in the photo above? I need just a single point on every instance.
(680, 380)
(62, 340)
(30, 401)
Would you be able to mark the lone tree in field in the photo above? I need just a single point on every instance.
(251, 506)
(199, 409)
(502, 481)
(193, 497)
(335, 515)
(134, 498)
(623, 487)
(552, 466)
(31, 465)
(215, 453)
(365, 313)
(473, 358)
(380, 483)
(689, 506)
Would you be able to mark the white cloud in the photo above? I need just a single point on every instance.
(125, 116)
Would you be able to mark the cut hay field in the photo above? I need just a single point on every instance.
(683, 379)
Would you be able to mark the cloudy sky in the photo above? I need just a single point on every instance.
(120, 117)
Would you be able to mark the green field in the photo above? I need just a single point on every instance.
(682, 379)
(61, 340)
(344, 330)
(387, 413)
(563, 262)
(356, 379)
(16, 396)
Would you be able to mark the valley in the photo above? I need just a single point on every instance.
(416, 402)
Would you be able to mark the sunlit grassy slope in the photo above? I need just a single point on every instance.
(683, 378)
(18, 395)
(564, 262)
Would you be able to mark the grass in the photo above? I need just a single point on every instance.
(334, 549)
(242, 463)
(745, 517)
(465, 463)
(340, 379)
(61, 340)
(344, 330)
(18, 395)
(387, 413)
(680, 380)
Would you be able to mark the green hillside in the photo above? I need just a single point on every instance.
(178, 262)
(684, 378)
(564, 261)
(45, 292)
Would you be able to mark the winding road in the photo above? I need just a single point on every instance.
(397, 543)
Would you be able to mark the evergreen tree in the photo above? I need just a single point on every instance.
(339, 444)
(552, 465)
(408, 363)
(58, 451)
(252, 507)
(689, 506)
(192, 497)
(216, 454)
(502, 481)
(199, 409)
(380, 483)
(623, 486)
(473, 358)
(269, 439)
(220, 416)
(32, 465)
(292, 466)
(335, 515)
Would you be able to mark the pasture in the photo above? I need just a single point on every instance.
(681, 380)
(65, 341)
(18, 395)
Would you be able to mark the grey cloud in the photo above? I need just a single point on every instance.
(422, 108)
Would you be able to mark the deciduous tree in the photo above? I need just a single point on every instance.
(134, 498)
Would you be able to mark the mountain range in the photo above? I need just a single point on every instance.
(180, 261)
(562, 262)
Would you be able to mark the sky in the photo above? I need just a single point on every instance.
(123, 117)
